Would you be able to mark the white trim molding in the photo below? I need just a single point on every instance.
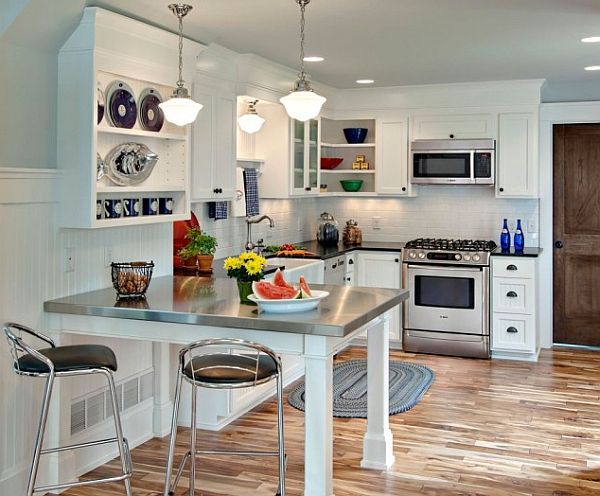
(23, 185)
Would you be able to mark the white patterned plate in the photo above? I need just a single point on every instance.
(290, 305)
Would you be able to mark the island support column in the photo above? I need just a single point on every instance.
(318, 418)
(378, 442)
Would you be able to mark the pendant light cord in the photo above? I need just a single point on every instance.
(180, 82)
(302, 4)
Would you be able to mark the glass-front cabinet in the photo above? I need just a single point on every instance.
(305, 157)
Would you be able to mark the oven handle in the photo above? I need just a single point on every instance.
(445, 267)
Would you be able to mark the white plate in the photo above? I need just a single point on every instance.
(290, 305)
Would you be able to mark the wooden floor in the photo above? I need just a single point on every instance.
(484, 428)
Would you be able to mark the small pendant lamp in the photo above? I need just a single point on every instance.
(180, 109)
(302, 103)
(251, 122)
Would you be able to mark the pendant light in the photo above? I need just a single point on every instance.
(251, 122)
(302, 103)
(180, 109)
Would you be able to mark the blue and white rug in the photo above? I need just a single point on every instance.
(408, 383)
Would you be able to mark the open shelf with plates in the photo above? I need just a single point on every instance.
(104, 149)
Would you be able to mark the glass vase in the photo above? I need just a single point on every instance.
(245, 289)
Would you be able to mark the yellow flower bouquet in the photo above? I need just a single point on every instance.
(246, 267)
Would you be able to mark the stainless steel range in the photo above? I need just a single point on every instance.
(448, 312)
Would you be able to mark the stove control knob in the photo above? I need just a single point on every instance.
(458, 256)
(421, 255)
(476, 257)
(412, 254)
(467, 257)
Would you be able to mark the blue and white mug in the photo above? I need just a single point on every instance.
(165, 205)
(150, 206)
(98, 209)
(112, 208)
(131, 207)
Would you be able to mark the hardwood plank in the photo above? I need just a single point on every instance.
(487, 428)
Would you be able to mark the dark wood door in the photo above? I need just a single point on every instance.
(577, 234)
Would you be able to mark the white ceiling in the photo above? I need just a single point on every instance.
(395, 42)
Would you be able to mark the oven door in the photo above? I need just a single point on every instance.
(443, 167)
(447, 299)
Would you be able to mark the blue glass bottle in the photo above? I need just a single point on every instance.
(519, 238)
(505, 237)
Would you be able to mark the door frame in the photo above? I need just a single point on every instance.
(551, 114)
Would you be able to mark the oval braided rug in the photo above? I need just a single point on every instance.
(408, 383)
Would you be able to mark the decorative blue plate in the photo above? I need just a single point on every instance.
(151, 116)
(122, 108)
(101, 102)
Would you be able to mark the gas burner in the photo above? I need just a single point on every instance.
(451, 244)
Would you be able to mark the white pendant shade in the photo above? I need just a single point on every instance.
(180, 111)
(250, 123)
(303, 105)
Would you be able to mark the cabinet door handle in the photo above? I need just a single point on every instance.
(512, 330)
(334, 266)
(511, 267)
(396, 260)
(501, 190)
(512, 294)
(558, 244)
(308, 188)
(350, 262)
(403, 188)
(215, 190)
(451, 136)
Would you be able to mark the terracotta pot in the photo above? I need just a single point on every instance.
(205, 263)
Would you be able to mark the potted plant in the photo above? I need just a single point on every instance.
(245, 268)
(200, 248)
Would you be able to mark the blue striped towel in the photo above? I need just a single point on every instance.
(251, 190)
(217, 210)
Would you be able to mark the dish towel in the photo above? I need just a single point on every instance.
(238, 205)
(217, 210)
(251, 189)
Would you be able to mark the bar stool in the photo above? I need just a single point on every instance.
(235, 363)
(66, 361)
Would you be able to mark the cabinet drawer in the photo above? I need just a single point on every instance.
(512, 267)
(513, 295)
(513, 332)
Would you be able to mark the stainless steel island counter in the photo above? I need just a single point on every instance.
(179, 310)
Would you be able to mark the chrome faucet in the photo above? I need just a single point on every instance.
(250, 246)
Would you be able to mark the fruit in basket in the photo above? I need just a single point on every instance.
(279, 280)
(304, 289)
(266, 290)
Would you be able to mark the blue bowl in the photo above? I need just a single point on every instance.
(355, 135)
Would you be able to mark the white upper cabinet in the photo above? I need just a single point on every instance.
(392, 157)
(516, 155)
(305, 157)
(213, 143)
(453, 125)
(104, 56)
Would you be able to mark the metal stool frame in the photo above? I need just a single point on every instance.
(188, 351)
(20, 348)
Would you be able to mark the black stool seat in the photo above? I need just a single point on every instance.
(69, 358)
(230, 369)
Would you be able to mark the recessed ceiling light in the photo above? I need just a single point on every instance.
(591, 39)
(314, 58)
(365, 81)
(593, 68)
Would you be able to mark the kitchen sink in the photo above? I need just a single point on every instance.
(312, 269)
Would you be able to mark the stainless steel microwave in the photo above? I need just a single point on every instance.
(452, 161)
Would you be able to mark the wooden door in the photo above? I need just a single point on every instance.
(577, 234)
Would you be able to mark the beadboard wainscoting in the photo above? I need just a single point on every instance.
(33, 268)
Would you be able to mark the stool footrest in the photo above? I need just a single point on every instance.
(65, 485)
(237, 452)
(79, 445)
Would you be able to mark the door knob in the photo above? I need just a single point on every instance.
(558, 244)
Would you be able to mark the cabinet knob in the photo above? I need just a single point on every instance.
(501, 190)
(452, 136)
(308, 188)
(511, 294)
(403, 188)
(334, 266)
(350, 262)
(512, 329)
(215, 190)
(558, 244)
(511, 267)
(396, 260)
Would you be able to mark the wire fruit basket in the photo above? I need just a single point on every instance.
(131, 279)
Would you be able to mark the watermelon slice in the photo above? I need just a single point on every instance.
(266, 290)
(304, 289)
(278, 280)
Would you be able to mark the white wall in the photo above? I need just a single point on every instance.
(31, 264)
